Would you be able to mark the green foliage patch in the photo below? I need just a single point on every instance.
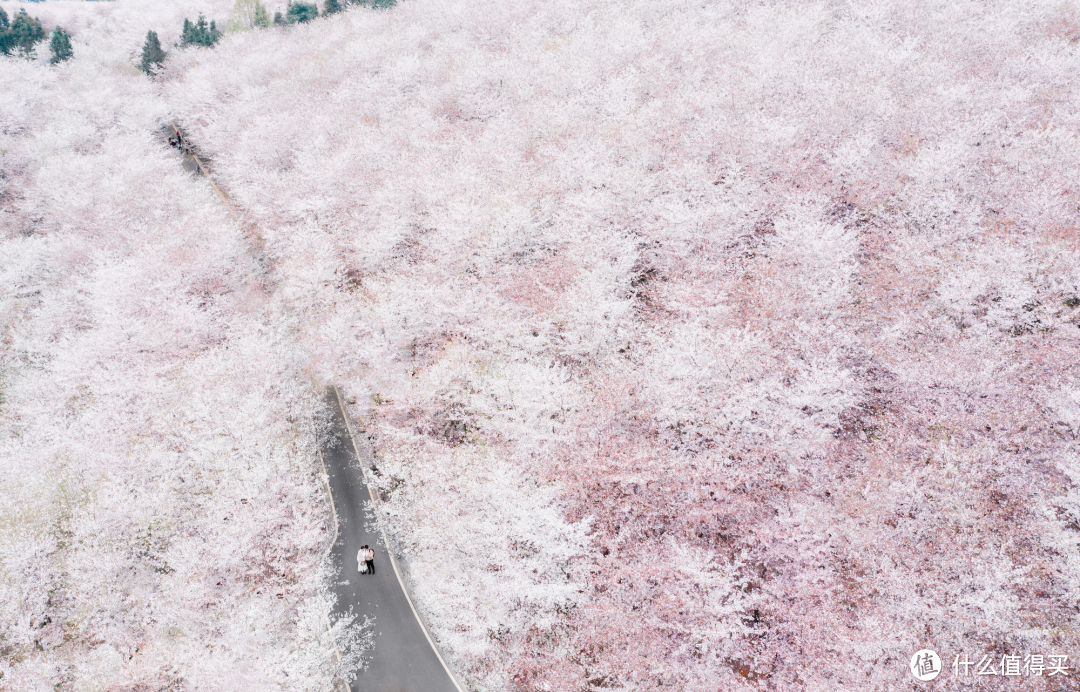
(152, 56)
(60, 44)
(199, 33)
(301, 12)
(21, 35)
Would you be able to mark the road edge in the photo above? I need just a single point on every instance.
(333, 509)
(232, 212)
(386, 540)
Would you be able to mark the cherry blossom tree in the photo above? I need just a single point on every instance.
(725, 346)
(754, 288)
(165, 525)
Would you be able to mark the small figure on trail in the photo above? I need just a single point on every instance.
(365, 560)
(173, 142)
(185, 148)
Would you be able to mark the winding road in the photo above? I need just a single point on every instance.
(404, 658)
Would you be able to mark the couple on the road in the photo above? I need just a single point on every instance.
(365, 560)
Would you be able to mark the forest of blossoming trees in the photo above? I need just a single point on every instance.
(702, 345)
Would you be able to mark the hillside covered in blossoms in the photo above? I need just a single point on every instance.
(702, 345)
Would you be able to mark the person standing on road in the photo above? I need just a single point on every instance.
(365, 560)
(185, 148)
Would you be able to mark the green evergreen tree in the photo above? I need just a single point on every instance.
(331, 7)
(202, 32)
(300, 12)
(279, 20)
(199, 34)
(5, 35)
(187, 36)
(152, 55)
(25, 33)
(60, 45)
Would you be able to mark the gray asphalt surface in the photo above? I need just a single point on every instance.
(403, 659)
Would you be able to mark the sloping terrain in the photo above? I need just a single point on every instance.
(161, 523)
(726, 345)
(704, 345)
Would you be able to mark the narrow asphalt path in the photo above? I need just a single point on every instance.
(404, 658)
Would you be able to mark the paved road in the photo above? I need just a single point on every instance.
(403, 660)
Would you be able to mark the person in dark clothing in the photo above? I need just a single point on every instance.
(365, 560)
(370, 560)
